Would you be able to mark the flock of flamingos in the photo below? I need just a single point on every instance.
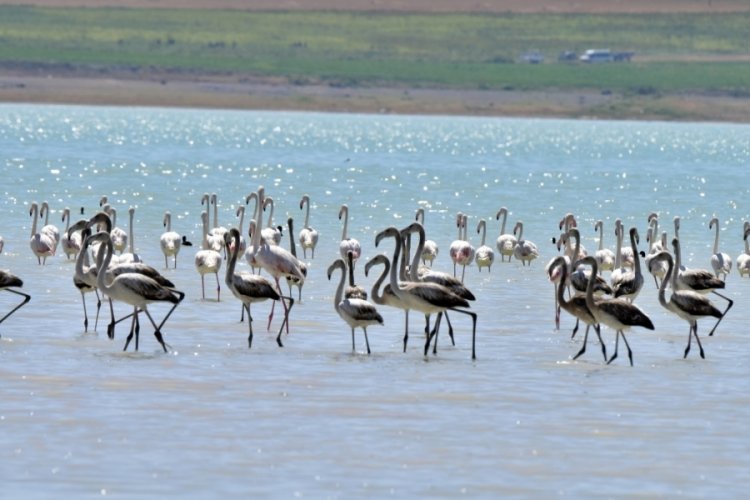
(105, 264)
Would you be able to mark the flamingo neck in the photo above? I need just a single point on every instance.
(483, 226)
(502, 224)
(600, 227)
(413, 275)
(204, 243)
(130, 230)
(340, 288)
(103, 265)
(232, 259)
(375, 292)
(618, 246)
(34, 217)
(669, 277)
(307, 212)
(636, 257)
(716, 238)
(292, 244)
(345, 212)
(520, 233)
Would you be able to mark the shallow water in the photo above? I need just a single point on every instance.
(80, 417)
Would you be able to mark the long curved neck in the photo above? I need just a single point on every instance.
(413, 274)
(562, 284)
(677, 255)
(101, 282)
(130, 230)
(520, 231)
(82, 259)
(204, 242)
(636, 257)
(504, 213)
(66, 219)
(669, 277)
(345, 215)
(253, 196)
(600, 227)
(215, 203)
(168, 221)
(292, 244)
(576, 248)
(464, 224)
(747, 245)
(618, 246)
(375, 292)
(340, 288)
(590, 286)
(307, 212)
(34, 217)
(394, 271)
(716, 238)
(232, 260)
(45, 209)
(269, 202)
(483, 228)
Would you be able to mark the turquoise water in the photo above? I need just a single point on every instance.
(79, 417)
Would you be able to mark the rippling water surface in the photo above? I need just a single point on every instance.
(80, 417)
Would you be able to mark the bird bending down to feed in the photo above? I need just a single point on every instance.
(357, 313)
(250, 288)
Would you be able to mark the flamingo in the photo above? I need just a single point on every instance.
(505, 242)
(348, 244)
(657, 267)
(554, 273)
(243, 244)
(686, 304)
(525, 250)
(250, 288)
(70, 242)
(576, 307)
(8, 281)
(387, 297)
(461, 251)
(604, 256)
(430, 251)
(84, 278)
(618, 314)
(566, 223)
(428, 298)
(653, 223)
(169, 241)
(119, 236)
(428, 275)
(136, 290)
(48, 228)
(626, 253)
(620, 268)
(485, 256)
(308, 237)
(357, 313)
(721, 262)
(698, 280)
(42, 244)
(293, 280)
(208, 260)
(130, 256)
(630, 283)
(275, 260)
(580, 277)
(270, 234)
(743, 260)
(215, 235)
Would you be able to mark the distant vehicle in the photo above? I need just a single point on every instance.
(567, 56)
(605, 55)
(597, 56)
(532, 57)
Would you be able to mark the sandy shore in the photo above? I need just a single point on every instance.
(25, 85)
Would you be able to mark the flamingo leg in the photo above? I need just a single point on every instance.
(354, 349)
(617, 343)
(473, 330)
(367, 342)
(98, 308)
(85, 314)
(286, 319)
(598, 331)
(25, 300)
(218, 289)
(132, 330)
(157, 332)
(730, 302)
(435, 332)
(203, 286)
(585, 338)
(249, 325)
(450, 328)
(575, 330)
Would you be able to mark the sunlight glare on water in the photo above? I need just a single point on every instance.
(212, 417)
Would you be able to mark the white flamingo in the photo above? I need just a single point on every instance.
(525, 250)
(215, 235)
(348, 244)
(484, 256)
(686, 304)
(42, 244)
(250, 288)
(119, 236)
(357, 313)
(657, 267)
(461, 251)
(308, 236)
(604, 256)
(506, 242)
(135, 289)
(243, 244)
(743, 260)
(721, 262)
(48, 228)
(270, 234)
(431, 250)
(630, 283)
(70, 242)
(653, 222)
(130, 256)
(170, 241)
(207, 260)
(275, 260)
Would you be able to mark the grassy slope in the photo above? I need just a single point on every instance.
(449, 50)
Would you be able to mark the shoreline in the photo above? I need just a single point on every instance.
(178, 89)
